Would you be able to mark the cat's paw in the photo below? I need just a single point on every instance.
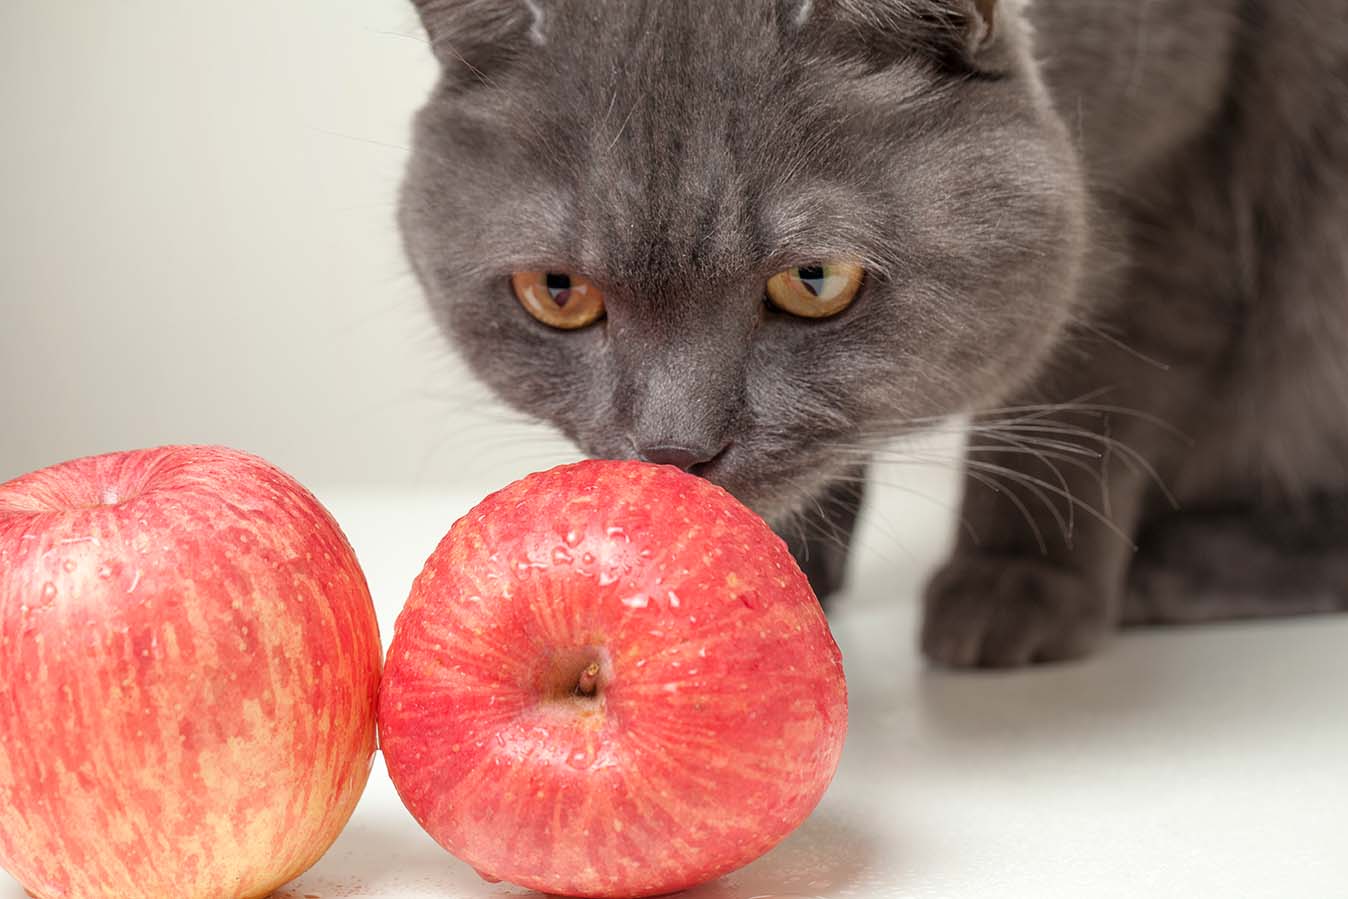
(988, 612)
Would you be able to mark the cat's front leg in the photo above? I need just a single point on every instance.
(1053, 497)
(1034, 587)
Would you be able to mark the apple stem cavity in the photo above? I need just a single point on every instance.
(588, 684)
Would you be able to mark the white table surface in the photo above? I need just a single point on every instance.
(1190, 764)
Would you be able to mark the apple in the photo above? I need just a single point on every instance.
(611, 679)
(189, 664)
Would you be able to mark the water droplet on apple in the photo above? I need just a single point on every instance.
(580, 760)
(646, 554)
(560, 556)
(640, 601)
(572, 539)
(49, 591)
(587, 558)
(105, 571)
(615, 532)
(68, 565)
(673, 599)
(607, 577)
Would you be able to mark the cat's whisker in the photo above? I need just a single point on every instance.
(362, 140)
(980, 470)
(622, 129)
(442, 40)
(420, 39)
(1065, 447)
(1083, 400)
(858, 483)
(1046, 457)
(987, 480)
(1132, 457)
(1027, 480)
(1120, 344)
(1038, 488)
(1100, 412)
(1034, 413)
(1076, 460)
(822, 528)
(796, 521)
(1032, 430)
(833, 535)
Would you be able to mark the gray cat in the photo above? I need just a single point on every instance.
(758, 238)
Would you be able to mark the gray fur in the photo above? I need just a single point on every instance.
(1099, 216)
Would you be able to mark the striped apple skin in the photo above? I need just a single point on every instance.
(189, 662)
(720, 711)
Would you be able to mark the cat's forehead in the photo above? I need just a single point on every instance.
(672, 34)
(689, 132)
(672, 141)
(660, 65)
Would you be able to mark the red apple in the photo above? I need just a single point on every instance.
(611, 679)
(189, 663)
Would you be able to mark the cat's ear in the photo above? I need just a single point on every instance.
(952, 30)
(475, 37)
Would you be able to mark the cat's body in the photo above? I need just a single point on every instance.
(1121, 219)
(1216, 138)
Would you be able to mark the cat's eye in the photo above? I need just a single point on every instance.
(816, 291)
(559, 299)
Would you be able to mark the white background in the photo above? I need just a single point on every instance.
(197, 243)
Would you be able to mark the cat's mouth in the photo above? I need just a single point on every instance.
(773, 488)
(712, 466)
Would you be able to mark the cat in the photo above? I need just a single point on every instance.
(759, 238)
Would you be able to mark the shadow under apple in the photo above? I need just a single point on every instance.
(825, 856)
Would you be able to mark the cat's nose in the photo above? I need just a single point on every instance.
(685, 457)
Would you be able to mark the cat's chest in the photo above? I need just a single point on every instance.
(1280, 413)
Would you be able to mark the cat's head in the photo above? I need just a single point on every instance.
(742, 235)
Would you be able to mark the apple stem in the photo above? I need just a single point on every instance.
(589, 680)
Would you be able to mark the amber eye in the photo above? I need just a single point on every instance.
(559, 299)
(816, 291)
